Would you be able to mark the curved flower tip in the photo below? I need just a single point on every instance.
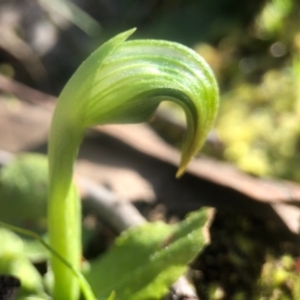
(143, 73)
(124, 82)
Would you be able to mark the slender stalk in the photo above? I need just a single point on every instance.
(64, 212)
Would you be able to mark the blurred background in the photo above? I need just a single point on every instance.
(253, 47)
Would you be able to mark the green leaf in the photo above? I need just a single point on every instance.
(85, 288)
(23, 192)
(14, 262)
(10, 243)
(34, 250)
(145, 261)
(112, 296)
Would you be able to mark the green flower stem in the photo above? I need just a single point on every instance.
(64, 211)
(121, 82)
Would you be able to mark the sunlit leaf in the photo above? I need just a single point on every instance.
(145, 261)
(14, 262)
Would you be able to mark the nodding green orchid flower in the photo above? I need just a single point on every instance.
(121, 82)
